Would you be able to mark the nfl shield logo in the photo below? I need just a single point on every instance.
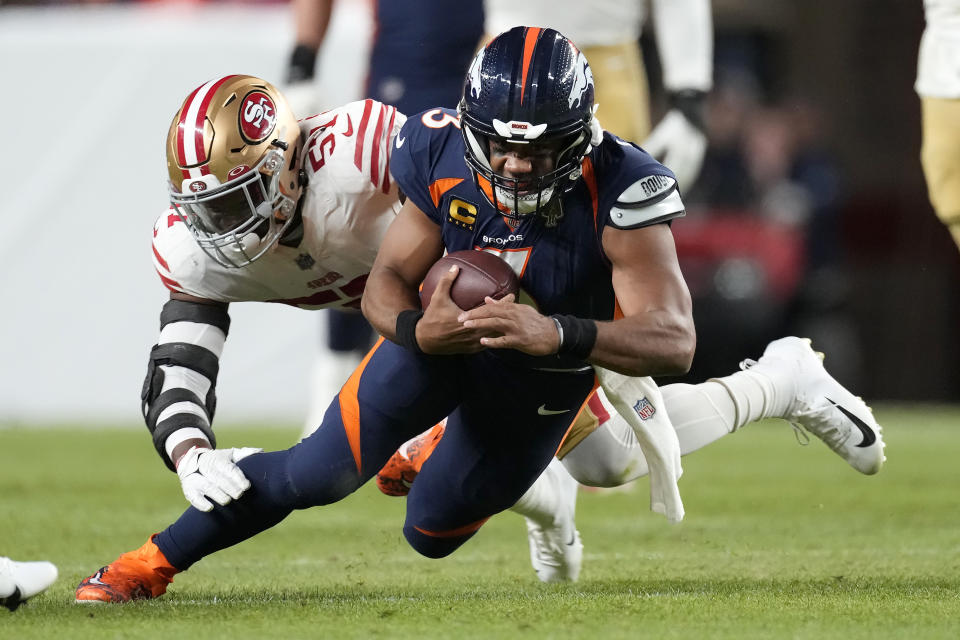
(644, 409)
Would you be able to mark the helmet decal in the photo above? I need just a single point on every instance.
(582, 79)
(529, 44)
(237, 171)
(191, 150)
(516, 128)
(474, 73)
(258, 115)
(198, 185)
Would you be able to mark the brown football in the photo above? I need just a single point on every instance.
(481, 274)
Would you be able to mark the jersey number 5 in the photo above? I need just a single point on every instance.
(431, 119)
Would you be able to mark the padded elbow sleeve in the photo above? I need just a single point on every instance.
(179, 389)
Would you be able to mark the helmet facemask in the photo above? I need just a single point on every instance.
(237, 222)
(517, 198)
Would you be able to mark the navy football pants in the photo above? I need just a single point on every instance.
(505, 424)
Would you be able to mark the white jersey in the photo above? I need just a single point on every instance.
(349, 201)
(596, 23)
(938, 65)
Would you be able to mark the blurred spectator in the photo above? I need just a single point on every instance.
(760, 247)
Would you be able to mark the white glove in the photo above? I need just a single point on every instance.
(213, 473)
(680, 145)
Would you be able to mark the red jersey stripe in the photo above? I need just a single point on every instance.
(362, 134)
(375, 152)
(160, 260)
(170, 283)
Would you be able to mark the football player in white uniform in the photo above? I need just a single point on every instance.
(269, 209)
(264, 209)
(938, 84)
(608, 33)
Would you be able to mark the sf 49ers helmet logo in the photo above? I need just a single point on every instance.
(257, 116)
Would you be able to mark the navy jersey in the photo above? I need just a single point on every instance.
(559, 256)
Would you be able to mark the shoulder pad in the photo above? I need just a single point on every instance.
(647, 201)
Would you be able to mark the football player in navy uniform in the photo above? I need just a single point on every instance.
(523, 170)
(418, 51)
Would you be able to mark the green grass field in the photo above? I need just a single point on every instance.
(780, 541)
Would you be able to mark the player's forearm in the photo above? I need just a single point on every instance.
(311, 19)
(178, 398)
(385, 295)
(648, 344)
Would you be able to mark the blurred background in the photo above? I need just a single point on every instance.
(810, 215)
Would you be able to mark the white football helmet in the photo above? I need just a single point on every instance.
(233, 157)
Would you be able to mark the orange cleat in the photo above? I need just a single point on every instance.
(136, 575)
(396, 477)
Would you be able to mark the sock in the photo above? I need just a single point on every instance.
(754, 395)
(701, 414)
(543, 501)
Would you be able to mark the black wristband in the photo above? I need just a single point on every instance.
(303, 62)
(692, 104)
(577, 336)
(406, 329)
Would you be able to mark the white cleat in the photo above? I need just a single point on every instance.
(556, 551)
(20, 581)
(820, 404)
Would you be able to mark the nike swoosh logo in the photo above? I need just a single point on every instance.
(400, 141)
(542, 410)
(869, 437)
(349, 131)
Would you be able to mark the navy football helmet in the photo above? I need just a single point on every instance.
(527, 86)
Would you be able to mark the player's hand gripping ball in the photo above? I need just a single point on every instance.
(481, 274)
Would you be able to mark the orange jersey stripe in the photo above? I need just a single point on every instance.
(591, 179)
(454, 533)
(487, 188)
(350, 406)
(529, 44)
(440, 187)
